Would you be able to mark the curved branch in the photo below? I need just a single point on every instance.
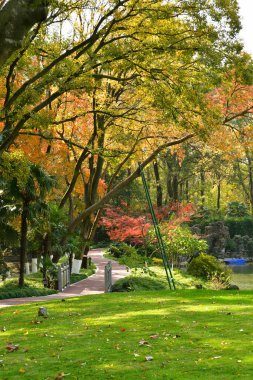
(96, 206)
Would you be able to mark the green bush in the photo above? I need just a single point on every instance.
(127, 255)
(240, 226)
(25, 292)
(209, 268)
(237, 209)
(10, 289)
(134, 283)
(157, 262)
(148, 250)
(4, 269)
(231, 246)
(250, 248)
(183, 243)
(115, 251)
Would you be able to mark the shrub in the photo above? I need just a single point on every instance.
(11, 289)
(250, 248)
(158, 262)
(209, 268)
(127, 255)
(4, 269)
(116, 251)
(183, 243)
(134, 283)
(237, 209)
(231, 246)
(240, 226)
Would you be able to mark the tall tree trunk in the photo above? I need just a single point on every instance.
(250, 169)
(187, 190)
(86, 234)
(23, 242)
(218, 193)
(175, 188)
(181, 190)
(202, 186)
(128, 191)
(159, 192)
(170, 188)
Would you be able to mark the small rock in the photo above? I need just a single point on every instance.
(232, 287)
(42, 312)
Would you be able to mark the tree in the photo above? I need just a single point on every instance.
(143, 69)
(123, 33)
(234, 100)
(28, 194)
(17, 17)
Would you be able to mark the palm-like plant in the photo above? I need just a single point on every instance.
(30, 200)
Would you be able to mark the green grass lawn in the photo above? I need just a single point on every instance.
(190, 334)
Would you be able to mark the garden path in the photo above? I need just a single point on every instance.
(92, 285)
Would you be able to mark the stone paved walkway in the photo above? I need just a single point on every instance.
(92, 285)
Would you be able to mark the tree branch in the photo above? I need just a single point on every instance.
(124, 183)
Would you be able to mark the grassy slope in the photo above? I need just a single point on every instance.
(200, 334)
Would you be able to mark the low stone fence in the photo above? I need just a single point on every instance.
(63, 277)
(108, 277)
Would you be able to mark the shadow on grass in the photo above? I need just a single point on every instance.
(189, 335)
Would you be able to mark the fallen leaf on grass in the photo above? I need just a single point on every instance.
(155, 336)
(216, 357)
(136, 355)
(61, 375)
(143, 342)
(21, 370)
(149, 358)
(36, 322)
(12, 347)
(123, 330)
(3, 329)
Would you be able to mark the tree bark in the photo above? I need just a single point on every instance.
(250, 171)
(175, 188)
(218, 193)
(187, 190)
(17, 17)
(159, 191)
(202, 186)
(23, 242)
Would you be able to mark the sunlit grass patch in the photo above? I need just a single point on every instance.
(187, 334)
